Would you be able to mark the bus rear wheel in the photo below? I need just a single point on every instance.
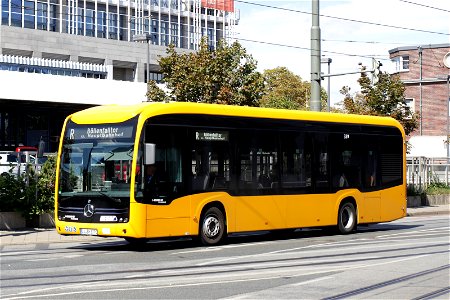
(346, 218)
(212, 227)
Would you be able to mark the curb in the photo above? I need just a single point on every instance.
(427, 213)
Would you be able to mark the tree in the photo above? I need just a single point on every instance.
(18, 193)
(385, 98)
(226, 75)
(284, 89)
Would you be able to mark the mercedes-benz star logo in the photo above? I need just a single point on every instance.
(89, 210)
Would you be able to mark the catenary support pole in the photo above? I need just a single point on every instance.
(315, 58)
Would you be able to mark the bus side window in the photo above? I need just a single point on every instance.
(321, 161)
(210, 161)
(296, 167)
(371, 166)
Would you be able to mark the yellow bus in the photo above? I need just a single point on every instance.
(202, 170)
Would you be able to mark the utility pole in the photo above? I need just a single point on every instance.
(315, 58)
(420, 89)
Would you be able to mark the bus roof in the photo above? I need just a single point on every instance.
(120, 113)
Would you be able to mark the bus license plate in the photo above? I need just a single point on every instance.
(88, 231)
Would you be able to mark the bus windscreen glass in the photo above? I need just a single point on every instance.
(96, 169)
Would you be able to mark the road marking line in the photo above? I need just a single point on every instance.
(414, 232)
(312, 281)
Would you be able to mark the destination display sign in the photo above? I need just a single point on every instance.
(211, 136)
(116, 131)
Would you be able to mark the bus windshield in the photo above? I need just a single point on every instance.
(96, 159)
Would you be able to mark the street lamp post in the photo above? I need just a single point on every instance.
(327, 60)
(145, 37)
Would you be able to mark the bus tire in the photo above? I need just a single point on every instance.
(212, 227)
(346, 218)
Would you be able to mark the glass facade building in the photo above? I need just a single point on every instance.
(178, 22)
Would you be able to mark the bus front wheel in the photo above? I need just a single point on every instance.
(346, 218)
(212, 227)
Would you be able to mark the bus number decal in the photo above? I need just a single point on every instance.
(70, 229)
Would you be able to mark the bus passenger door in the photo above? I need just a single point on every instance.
(258, 170)
(370, 212)
(163, 186)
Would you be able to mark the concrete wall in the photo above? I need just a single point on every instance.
(428, 200)
(14, 220)
(39, 43)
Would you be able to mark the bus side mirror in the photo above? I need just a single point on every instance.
(149, 154)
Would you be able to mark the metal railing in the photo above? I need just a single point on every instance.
(423, 171)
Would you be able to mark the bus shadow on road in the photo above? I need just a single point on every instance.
(156, 245)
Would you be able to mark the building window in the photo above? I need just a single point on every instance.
(42, 16)
(174, 33)
(401, 63)
(164, 33)
(5, 12)
(155, 31)
(158, 77)
(90, 22)
(101, 24)
(54, 20)
(405, 62)
(113, 25)
(410, 104)
(16, 13)
(80, 22)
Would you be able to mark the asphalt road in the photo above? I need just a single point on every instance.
(406, 259)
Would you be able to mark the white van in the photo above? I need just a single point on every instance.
(8, 162)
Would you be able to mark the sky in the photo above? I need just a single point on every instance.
(347, 43)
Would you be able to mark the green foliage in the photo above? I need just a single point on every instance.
(19, 193)
(11, 192)
(412, 190)
(154, 93)
(46, 186)
(437, 189)
(385, 98)
(226, 75)
(286, 90)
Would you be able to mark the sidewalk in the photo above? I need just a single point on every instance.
(49, 236)
(429, 210)
(44, 235)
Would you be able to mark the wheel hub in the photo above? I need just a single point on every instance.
(211, 226)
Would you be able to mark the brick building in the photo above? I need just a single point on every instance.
(426, 77)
